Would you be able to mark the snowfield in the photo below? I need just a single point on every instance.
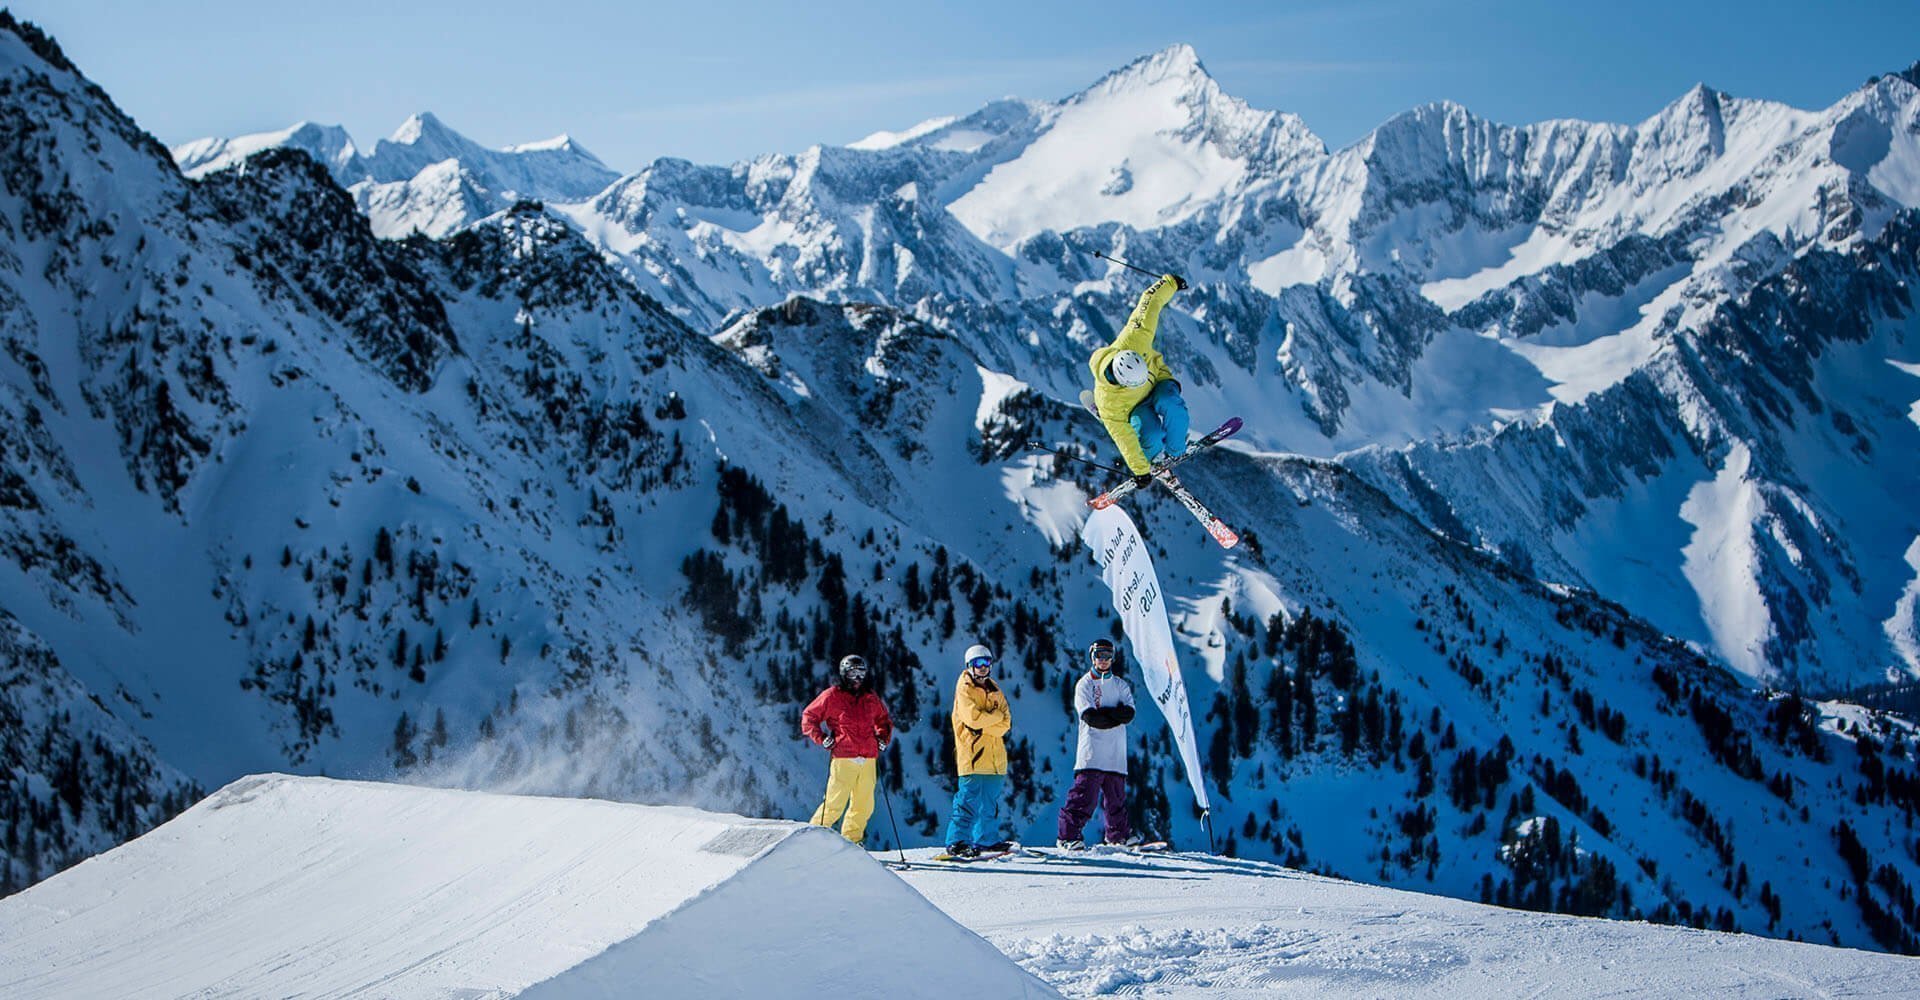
(283, 886)
(1194, 925)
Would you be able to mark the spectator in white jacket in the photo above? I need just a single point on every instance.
(1104, 702)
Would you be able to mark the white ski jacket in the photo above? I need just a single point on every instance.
(1102, 749)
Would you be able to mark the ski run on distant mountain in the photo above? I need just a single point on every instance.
(1578, 556)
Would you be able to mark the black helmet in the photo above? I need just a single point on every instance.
(1101, 649)
(853, 669)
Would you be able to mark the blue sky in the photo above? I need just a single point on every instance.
(716, 82)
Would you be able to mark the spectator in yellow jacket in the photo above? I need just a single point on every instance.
(981, 719)
(1134, 392)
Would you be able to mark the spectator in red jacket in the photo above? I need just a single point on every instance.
(852, 723)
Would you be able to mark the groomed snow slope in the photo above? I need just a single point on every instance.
(1193, 926)
(283, 886)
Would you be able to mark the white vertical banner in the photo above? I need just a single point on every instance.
(1128, 570)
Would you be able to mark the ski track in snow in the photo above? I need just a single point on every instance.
(1190, 925)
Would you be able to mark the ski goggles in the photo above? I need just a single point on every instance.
(1100, 654)
(980, 663)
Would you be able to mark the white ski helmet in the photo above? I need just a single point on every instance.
(976, 652)
(1128, 368)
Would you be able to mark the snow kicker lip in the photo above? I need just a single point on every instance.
(282, 885)
(745, 841)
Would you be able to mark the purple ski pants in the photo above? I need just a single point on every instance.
(1111, 789)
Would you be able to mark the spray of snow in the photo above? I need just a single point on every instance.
(888, 140)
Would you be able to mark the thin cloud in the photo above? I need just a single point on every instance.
(1002, 77)
(784, 101)
(1316, 67)
(1343, 12)
(810, 99)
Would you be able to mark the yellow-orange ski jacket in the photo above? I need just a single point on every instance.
(981, 719)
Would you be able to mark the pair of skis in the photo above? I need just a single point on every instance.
(1018, 851)
(1226, 536)
(1150, 847)
(1010, 850)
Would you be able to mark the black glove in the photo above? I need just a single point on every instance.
(1179, 283)
(828, 741)
(1140, 481)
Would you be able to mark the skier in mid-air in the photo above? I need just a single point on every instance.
(1104, 702)
(981, 720)
(1134, 392)
(851, 721)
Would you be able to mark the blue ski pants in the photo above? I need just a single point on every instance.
(976, 810)
(1161, 421)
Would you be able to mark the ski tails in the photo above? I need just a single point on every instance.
(1217, 435)
(1227, 537)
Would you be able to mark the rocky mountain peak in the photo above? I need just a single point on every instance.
(425, 127)
(1911, 74)
(1179, 63)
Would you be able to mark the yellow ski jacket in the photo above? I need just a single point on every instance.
(1116, 402)
(981, 719)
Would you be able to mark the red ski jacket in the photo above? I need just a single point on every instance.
(859, 722)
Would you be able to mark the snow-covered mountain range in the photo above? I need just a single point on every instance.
(1450, 302)
(1559, 438)
(425, 176)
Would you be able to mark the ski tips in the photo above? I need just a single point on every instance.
(1223, 534)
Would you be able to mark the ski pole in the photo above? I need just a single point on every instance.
(1088, 461)
(887, 797)
(1206, 819)
(1122, 263)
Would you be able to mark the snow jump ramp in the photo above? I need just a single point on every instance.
(283, 886)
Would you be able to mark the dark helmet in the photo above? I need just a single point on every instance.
(853, 669)
(1101, 650)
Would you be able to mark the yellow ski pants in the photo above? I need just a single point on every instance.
(849, 790)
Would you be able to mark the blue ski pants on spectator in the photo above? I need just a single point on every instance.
(976, 810)
(1161, 420)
